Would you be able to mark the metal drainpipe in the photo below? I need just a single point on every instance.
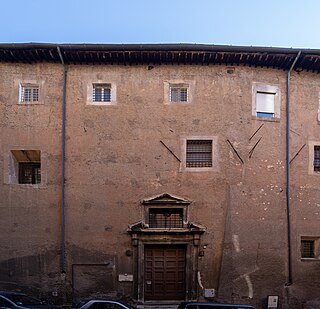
(63, 144)
(288, 172)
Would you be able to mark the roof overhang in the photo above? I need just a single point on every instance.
(153, 54)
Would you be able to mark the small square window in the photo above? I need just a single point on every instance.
(25, 167)
(29, 173)
(316, 159)
(265, 104)
(307, 248)
(179, 93)
(165, 218)
(101, 93)
(199, 153)
(29, 93)
(266, 101)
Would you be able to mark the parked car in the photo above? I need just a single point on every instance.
(102, 304)
(20, 301)
(208, 305)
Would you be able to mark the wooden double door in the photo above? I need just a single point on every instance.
(164, 272)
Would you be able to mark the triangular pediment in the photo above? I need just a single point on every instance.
(165, 198)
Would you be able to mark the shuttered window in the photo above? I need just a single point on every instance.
(166, 218)
(29, 93)
(101, 93)
(316, 160)
(199, 153)
(265, 104)
(178, 93)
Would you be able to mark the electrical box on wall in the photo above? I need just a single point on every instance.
(209, 293)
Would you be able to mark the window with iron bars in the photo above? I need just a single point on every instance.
(166, 218)
(29, 93)
(199, 153)
(101, 93)
(29, 173)
(316, 160)
(178, 93)
(307, 248)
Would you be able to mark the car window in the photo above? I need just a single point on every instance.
(81, 303)
(24, 300)
(5, 303)
(102, 305)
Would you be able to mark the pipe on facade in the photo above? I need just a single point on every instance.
(63, 147)
(290, 280)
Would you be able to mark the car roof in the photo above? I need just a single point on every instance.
(103, 300)
(10, 293)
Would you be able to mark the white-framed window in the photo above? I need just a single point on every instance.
(100, 93)
(198, 153)
(266, 101)
(179, 93)
(29, 93)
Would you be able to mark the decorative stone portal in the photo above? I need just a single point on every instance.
(166, 250)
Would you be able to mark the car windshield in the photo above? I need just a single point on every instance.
(24, 300)
(81, 303)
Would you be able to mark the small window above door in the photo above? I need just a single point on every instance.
(165, 218)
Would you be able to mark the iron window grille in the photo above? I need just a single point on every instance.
(29, 93)
(199, 153)
(307, 248)
(29, 173)
(316, 160)
(179, 93)
(165, 218)
(101, 93)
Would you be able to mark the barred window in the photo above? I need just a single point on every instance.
(166, 218)
(178, 93)
(29, 173)
(29, 93)
(101, 93)
(199, 153)
(25, 166)
(307, 248)
(316, 160)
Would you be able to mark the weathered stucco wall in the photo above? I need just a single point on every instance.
(115, 158)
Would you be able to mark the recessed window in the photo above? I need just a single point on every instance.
(165, 218)
(199, 153)
(265, 104)
(178, 93)
(29, 93)
(25, 167)
(266, 101)
(307, 248)
(29, 173)
(101, 93)
(316, 158)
